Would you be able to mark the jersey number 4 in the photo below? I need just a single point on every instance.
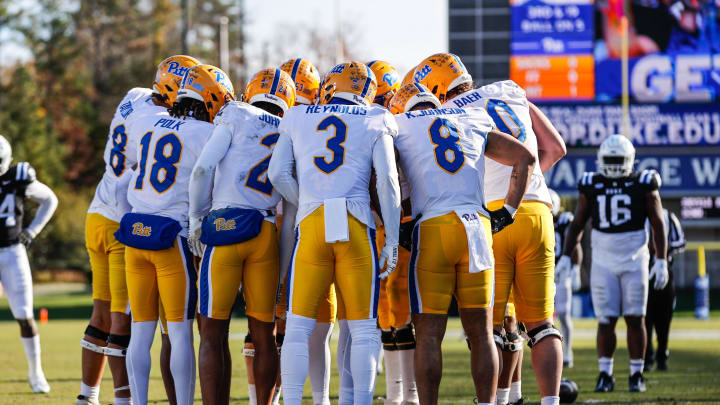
(168, 150)
(334, 144)
(618, 210)
(254, 180)
(7, 210)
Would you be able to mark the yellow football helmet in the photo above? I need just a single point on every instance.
(351, 81)
(306, 78)
(271, 86)
(208, 84)
(411, 95)
(169, 75)
(388, 81)
(408, 77)
(440, 73)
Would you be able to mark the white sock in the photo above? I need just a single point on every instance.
(407, 360)
(252, 395)
(276, 396)
(138, 360)
(182, 360)
(294, 358)
(345, 391)
(606, 364)
(320, 363)
(32, 352)
(515, 391)
(636, 366)
(393, 377)
(503, 396)
(550, 401)
(122, 401)
(89, 392)
(363, 358)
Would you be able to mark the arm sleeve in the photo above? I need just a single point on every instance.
(41, 194)
(388, 187)
(287, 238)
(201, 179)
(280, 170)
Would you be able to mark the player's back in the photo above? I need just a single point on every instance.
(111, 193)
(333, 146)
(241, 176)
(507, 105)
(167, 149)
(442, 154)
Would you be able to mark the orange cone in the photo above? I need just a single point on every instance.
(43, 315)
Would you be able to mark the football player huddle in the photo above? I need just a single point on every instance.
(353, 198)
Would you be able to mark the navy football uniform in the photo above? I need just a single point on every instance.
(12, 197)
(561, 223)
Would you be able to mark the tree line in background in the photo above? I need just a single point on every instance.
(55, 108)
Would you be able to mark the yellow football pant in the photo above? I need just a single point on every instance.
(107, 262)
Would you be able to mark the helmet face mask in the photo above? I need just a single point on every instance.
(616, 157)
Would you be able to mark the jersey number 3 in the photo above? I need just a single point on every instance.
(334, 144)
(168, 150)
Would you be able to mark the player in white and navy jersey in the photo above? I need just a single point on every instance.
(619, 200)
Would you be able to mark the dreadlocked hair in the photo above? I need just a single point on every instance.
(269, 107)
(189, 107)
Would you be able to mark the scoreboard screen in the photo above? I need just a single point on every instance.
(699, 207)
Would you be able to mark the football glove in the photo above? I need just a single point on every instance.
(389, 256)
(406, 231)
(562, 268)
(499, 219)
(26, 237)
(660, 272)
(196, 247)
(575, 277)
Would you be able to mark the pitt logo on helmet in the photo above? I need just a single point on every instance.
(350, 81)
(306, 78)
(208, 84)
(140, 229)
(411, 95)
(170, 74)
(441, 73)
(271, 86)
(389, 83)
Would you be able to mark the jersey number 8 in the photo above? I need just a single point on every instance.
(117, 153)
(447, 143)
(168, 150)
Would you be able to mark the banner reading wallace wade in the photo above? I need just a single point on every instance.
(652, 124)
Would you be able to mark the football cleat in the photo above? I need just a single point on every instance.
(208, 84)
(637, 382)
(441, 73)
(5, 155)
(169, 75)
(388, 81)
(410, 96)
(616, 157)
(39, 384)
(350, 81)
(306, 78)
(271, 86)
(605, 383)
(409, 76)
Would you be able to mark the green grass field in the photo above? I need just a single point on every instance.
(694, 375)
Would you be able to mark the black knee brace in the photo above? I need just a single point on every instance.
(118, 340)
(512, 342)
(387, 337)
(405, 338)
(541, 332)
(96, 333)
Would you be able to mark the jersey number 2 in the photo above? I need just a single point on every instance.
(168, 150)
(619, 211)
(334, 144)
(253, 179)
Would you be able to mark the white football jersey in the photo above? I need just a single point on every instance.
(241, 178)
(333, 147)
(508, 107)
(110, 198)
(167, 149)
(442, 154)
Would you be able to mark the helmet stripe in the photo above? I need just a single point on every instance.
(367, 82)
(276, 80)
(295, 68)
(460, 63)
(371, 63)
(419, 87)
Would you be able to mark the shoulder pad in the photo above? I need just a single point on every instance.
(587, 179)
(651, 178)
(24, 173)
(126, 106)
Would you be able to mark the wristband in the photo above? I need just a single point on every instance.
(510, 209)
